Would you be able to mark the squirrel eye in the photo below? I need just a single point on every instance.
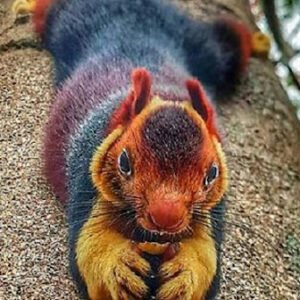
(211, 175)
(124, 163)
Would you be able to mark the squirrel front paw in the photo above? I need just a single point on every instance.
(187, 276)
(118, 274)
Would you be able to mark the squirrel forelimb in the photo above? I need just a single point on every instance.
(113, 269)
(189, 274)
(109, 264)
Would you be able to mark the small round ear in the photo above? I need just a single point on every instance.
(136, 100)
(201, 104)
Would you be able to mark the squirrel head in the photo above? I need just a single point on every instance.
(161, 160)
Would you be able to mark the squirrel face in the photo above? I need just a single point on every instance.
(153, 170)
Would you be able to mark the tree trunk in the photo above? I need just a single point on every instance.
(261, 254)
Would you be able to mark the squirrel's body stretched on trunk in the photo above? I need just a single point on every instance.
(131, 146)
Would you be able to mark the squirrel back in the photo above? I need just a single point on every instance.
(96, 47)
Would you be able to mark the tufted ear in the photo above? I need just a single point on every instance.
(136, 100)
(201, 104)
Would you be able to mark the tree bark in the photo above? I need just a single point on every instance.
(261, 253)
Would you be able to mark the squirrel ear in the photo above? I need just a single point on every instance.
(141, 83)
(201, 104)
(199, 99)
(135, 101)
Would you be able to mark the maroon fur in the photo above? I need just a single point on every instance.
(77, 98)
(137, 99)
(202, 105)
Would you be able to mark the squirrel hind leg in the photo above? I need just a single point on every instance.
(20, 7)
(260, 44)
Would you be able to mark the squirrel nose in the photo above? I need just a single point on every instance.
(167, 215)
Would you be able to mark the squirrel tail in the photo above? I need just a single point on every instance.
(39, 9)
(219, 54)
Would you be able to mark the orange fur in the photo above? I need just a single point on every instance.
(147, 181)
(97, 163)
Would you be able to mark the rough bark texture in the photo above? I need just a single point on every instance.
(261, 256)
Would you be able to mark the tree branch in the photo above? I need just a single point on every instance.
(287, 52)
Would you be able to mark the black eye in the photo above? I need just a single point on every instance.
(124, 163)
(211, 175)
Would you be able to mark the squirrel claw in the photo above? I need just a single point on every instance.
(22, 7)
(260, 44)
(120, 275)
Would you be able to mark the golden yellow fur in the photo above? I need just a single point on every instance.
(260, 44)
(98, 159)
(189, 274)
(108, 262)
(23, 6)
(222, 185)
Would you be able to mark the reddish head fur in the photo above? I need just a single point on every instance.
(171, 147)
(165, 182)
